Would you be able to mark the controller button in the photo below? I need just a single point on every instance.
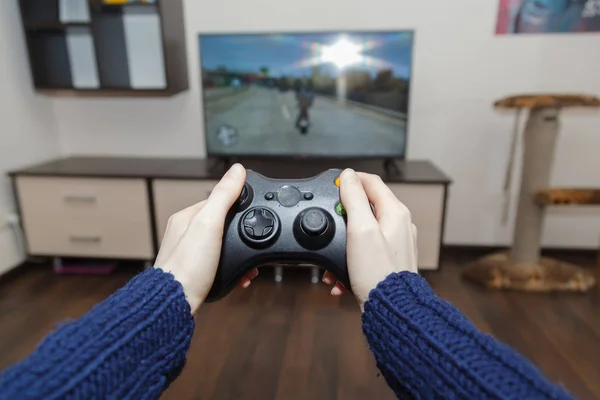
(289, 196)
(339, 208)
(314, 222)
(337, 181)
(259, 223)
(269, 196)
(308, 196)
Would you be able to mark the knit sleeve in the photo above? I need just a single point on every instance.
(426, 348)
(130, 346)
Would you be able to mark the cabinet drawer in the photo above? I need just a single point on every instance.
(171, 196)
(426, 205)
(86, 217)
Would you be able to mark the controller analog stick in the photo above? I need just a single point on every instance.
(314, 228)
(259, 225)
(314, 222)
(245, 198)
(244, 194)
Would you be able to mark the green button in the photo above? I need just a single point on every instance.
(339, 208)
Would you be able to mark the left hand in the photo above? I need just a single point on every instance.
(191, 246)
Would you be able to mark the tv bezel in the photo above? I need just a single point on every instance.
(303, 156)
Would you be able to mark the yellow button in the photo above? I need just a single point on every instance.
(337, 181)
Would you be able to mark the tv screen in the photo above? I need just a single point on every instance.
(340, 94)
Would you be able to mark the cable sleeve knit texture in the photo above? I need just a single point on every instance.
(426, 349)
(130, 346)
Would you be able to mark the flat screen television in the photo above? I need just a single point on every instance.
(332, 94)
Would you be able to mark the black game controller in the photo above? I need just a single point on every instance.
(283, 221)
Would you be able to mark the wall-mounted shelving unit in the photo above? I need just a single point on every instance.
(106, 47)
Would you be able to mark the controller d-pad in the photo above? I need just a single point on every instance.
(259, 223)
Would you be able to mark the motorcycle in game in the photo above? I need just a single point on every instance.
(305, 95)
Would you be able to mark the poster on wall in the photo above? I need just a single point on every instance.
(548, 16)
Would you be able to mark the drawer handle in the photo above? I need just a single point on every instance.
(85, 239)
(80, 199)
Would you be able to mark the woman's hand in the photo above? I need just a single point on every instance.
(191, 246)
(378, 243)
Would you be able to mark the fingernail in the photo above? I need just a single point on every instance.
(246, 284)
(326, 280)
(235, 170)
(336, 291)
(348, 175)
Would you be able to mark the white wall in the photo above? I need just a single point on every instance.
(27, 129)
(460, 68)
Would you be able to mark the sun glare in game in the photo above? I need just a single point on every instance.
(342, 53)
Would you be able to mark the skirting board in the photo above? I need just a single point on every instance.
(10, 255)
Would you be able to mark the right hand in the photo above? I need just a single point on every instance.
(377, 244)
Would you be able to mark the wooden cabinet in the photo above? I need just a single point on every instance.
(171, 196)
(86, 217)
(119, 207)
(426, 205)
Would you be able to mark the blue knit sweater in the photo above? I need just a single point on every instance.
(133, 345)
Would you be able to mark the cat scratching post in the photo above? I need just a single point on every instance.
(522, 268)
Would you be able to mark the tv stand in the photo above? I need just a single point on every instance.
(156, 188)
(220, 164)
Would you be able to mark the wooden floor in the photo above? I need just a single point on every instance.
(294, 341)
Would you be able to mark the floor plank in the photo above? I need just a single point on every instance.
(294, 341)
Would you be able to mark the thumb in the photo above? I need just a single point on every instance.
(225, 193)
(354, 198)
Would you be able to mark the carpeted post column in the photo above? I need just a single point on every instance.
(539, 142)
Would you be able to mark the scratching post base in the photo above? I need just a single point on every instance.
(496, 271)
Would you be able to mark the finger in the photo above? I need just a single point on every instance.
(252, 274)
(329, 278)
(379, 194)
(354, 198)
(338, 289)
(393, 216)
(225, 193)
(244, 282)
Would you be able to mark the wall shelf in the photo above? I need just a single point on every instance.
(54, 26)
(107, 92)
(87, 48)
(138, 4)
